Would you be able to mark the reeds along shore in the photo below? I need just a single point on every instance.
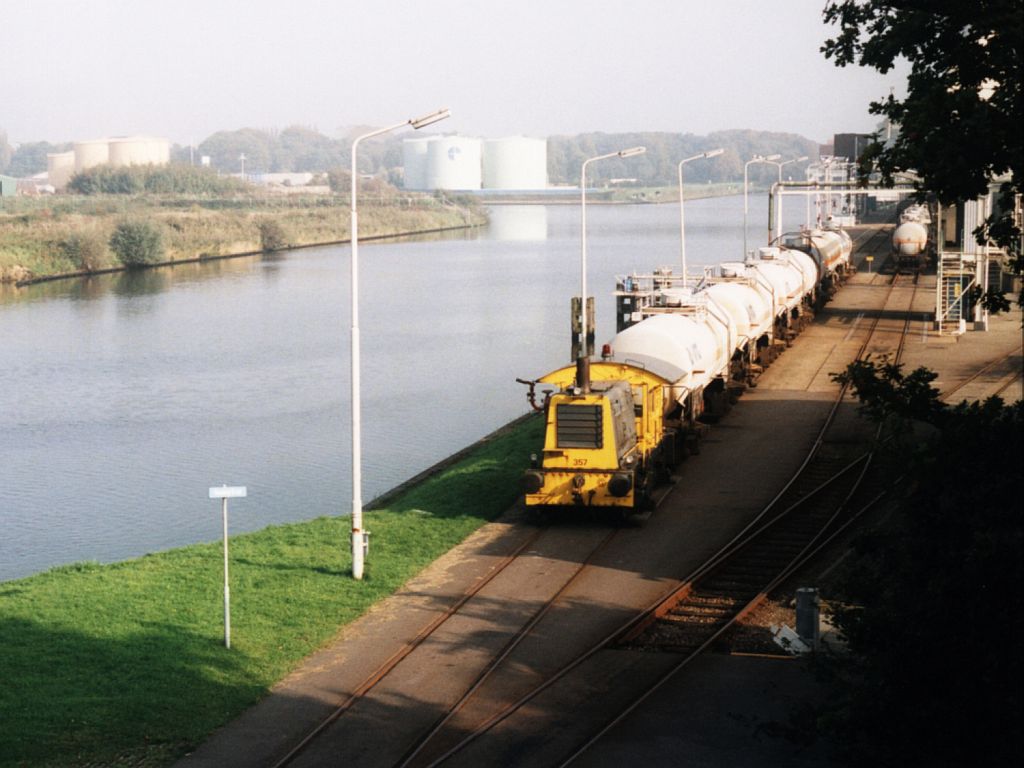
(54, 236)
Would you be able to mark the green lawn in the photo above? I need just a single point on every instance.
(124, 664)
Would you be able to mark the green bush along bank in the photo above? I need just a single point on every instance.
(124, 664)
(44, 237)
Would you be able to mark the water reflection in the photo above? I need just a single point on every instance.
(518, 222)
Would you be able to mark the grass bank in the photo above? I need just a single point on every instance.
(34, 233)
(124, 664)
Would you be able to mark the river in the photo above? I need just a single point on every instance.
(126, 396)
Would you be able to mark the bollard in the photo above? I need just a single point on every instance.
(807, 610)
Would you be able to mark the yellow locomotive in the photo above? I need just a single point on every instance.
(607, 442)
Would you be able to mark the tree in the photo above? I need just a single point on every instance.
(931, 612)
(86, 249)
(960, 123)
(137, 243)
(30, 158)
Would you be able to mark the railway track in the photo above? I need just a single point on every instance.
(797, 522)
(298, 754)
(825, 495)
(1005, 368)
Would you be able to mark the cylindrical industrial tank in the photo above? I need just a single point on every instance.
(828, 246)
(139, 150)
(910, 238)
(680, 343)
(91, 153)
(453, 162)
(719, 321)
(414, 162)
(806, 264)
(60, 167)
(785, 280)
(515, 162)
(751, 314)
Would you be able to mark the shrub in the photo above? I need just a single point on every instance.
(137, 243)
(86, 250)
(272, 235)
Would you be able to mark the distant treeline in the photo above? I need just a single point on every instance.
(301, 149)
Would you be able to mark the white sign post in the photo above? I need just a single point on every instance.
(224, 493)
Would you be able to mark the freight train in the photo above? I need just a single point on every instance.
(617, 426)
(912, 244)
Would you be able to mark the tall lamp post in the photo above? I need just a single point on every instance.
(778, 205)
(754, 159)
(631, 152)
(357, 448)
(682, 217)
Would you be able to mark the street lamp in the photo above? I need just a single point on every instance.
(358, 535)
(778, 204)
(682, 218)
(631, 152)
(754, 159)
(785, 162)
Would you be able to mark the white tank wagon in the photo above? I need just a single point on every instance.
(60, 167)
(414, 162)
(515, 162)
(911, 240)
(830, 249)
(453, 163)
(139, 150)
(681, 356)
(89, 154)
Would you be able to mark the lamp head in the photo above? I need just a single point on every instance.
(433, 117)
(631, 151)
(772, 157)
(714, 152)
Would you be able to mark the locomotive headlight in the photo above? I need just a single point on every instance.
(533, 482)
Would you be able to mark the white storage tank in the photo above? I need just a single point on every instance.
(453, 162)
(60, 167)
(515, 162)
(414, 162)
(139, 150)
(91, 153)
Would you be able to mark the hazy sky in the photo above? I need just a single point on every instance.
(78, 69)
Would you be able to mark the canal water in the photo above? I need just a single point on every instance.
(125, 397)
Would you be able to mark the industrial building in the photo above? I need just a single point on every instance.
(460, 163)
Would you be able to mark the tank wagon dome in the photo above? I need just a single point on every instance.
(515, 162)
(453, 162)
(91, 153)
(414, 162)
